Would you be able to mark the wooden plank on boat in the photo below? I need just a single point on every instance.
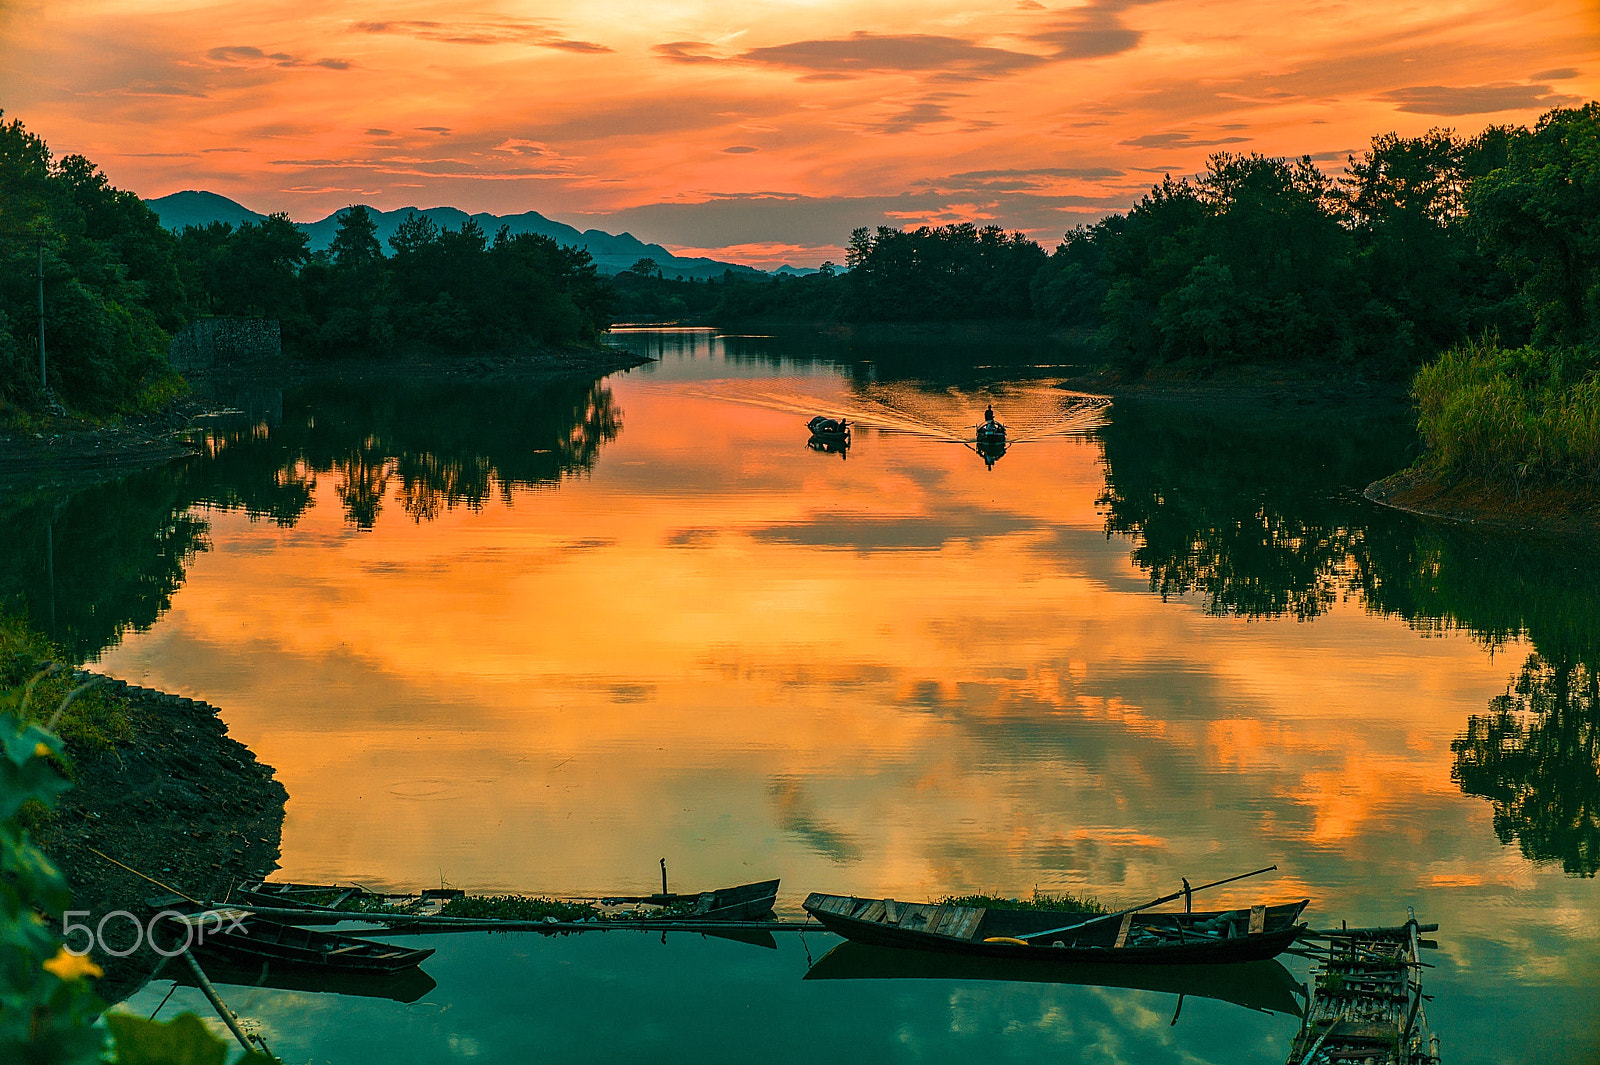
(891, 912)
(966, 926)
(1122, 932)
(1258, 920)
(873, 914)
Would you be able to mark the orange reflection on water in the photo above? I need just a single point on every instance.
(901, 673)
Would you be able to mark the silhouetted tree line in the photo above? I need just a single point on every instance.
(117, 285)
(1423, 243)
(442, 289)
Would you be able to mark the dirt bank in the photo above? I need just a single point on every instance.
(179, 801)
(1547, 511)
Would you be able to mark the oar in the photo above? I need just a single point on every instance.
(1146, 906)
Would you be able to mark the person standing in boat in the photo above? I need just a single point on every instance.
(988, 414)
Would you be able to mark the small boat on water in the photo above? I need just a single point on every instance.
(830, 430)
(340, 902)
(746, 902)
(316, 904)
(991, 433)
(1252, 934)
(242, 936)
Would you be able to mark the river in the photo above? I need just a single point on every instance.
(518, 637)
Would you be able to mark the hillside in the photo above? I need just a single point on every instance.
(612, 253)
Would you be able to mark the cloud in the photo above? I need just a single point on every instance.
(519, 146)
(1178, 138)
(913, 118)
(863, 52)
(1560, 74)
(443, 131)
(145, 88)
(1019, 180)
(1092, 31)
(249, 55)
(534, 32)
(1476, 99)
(654, 116)
(685, 52)
(740, 149)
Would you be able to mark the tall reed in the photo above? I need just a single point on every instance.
(1521, 417)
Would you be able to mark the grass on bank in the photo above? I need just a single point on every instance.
(1065, 903)
(1515, 417)
(94, 721)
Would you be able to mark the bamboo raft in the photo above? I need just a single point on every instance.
(1366, 1003)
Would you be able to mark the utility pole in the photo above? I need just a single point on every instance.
(44, 383)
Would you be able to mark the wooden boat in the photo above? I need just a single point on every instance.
(746, 902)
(1265, 986)
(991, 433)
(1252, 934)
(240, 935)
(334, 899)
(407, 985)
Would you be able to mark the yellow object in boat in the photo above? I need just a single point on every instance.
(1008, 939)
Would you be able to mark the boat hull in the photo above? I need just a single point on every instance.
(849, 918)
(254, 939)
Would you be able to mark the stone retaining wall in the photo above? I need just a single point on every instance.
(217, 343)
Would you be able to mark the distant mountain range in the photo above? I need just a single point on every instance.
(612, 253)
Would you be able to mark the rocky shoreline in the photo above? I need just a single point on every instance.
(180, 801)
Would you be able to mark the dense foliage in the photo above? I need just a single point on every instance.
(111, 286)
(117, 286)
(1531, 414)
(444, 290)
(931, 273)
(1270, 260)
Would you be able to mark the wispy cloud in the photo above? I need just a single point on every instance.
(536, 32)
(1454, 100)
(249, 55)
(863, 52)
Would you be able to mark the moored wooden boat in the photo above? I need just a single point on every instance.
(745, 902)
(1251, 934)
(239, 935)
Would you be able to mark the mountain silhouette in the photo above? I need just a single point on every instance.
(612, 252)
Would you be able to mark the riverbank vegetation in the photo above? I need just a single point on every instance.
(116, 287)
(1066, 902)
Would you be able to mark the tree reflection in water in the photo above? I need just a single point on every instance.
(88, 565)
(1536, 757)
(1265, 519)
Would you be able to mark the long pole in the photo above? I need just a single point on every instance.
(1153, 902)
(44, 384)
(227, 1015)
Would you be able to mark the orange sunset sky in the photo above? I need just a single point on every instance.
(759, 131)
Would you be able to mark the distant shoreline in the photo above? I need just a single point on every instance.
(70, 452)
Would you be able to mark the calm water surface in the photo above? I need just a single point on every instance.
(514, 637)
